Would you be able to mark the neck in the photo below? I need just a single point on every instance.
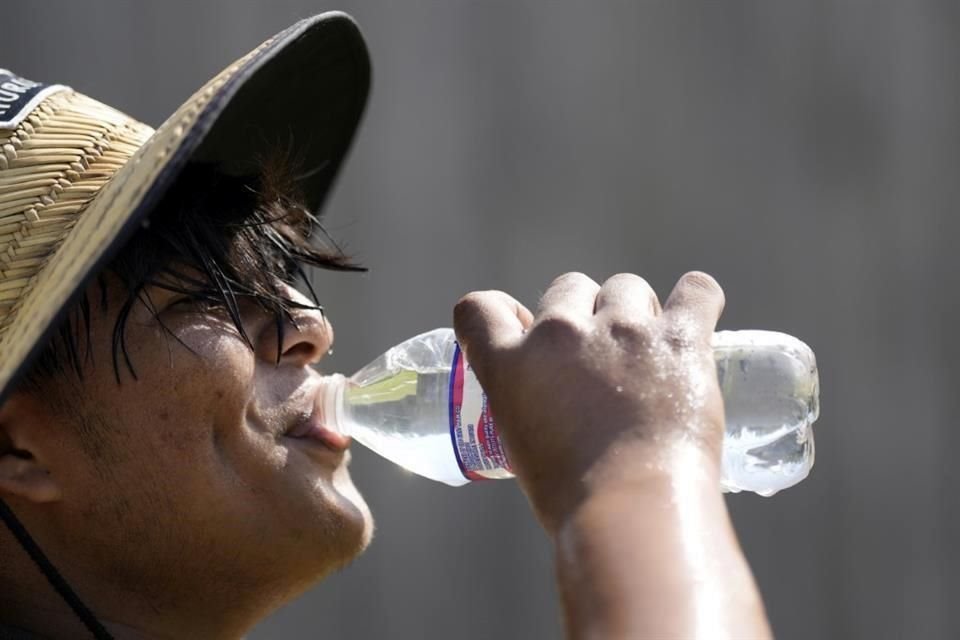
(47, 616)
(31, 604)
(51, 620)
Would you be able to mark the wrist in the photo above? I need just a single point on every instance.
(660, 464)
(656, 552)
(658, 476)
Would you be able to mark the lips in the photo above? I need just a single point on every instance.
(314, 429)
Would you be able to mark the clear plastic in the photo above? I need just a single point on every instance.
(399, 407)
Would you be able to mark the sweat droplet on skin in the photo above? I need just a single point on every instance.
(691, 365)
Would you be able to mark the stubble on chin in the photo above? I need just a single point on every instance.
(359, 524)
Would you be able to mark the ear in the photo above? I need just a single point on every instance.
(23, 473)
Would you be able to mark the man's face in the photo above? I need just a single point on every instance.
(190, 468)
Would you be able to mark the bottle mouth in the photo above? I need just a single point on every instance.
(332, 407)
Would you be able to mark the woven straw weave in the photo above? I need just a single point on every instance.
(51, 166)
(72, 176)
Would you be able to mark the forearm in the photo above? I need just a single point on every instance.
(609, 407)
(656, 558)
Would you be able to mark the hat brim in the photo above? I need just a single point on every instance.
(305, 89)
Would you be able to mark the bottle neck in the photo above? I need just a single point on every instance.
(333, 416)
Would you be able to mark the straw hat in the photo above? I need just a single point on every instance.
(78, 177)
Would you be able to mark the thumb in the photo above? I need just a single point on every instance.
(487, 323)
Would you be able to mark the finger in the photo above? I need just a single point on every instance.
(627, 295)
(572, 294)
(697, 300)
(489, 320)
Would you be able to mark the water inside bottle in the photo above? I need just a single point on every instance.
(771, 399)
(398, 406)
(426, 455)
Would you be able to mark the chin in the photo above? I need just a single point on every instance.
(356, 514)
(337, 538)
(333, 528)
(339, 531)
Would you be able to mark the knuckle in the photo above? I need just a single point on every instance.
(558, 328)
(634, 286)
(571, 277)
(469, 306)
(681, 336)
(469, 303)
(632, 277)
(629, 331)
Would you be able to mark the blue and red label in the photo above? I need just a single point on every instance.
(480, 453)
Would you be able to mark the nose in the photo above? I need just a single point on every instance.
(305, 337)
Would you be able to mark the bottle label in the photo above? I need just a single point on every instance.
(480, 453)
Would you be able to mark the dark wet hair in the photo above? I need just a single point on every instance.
(215, 239)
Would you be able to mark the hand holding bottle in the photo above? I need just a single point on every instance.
(612, 418)
(603, 387)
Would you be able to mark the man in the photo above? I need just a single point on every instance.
(164, 466)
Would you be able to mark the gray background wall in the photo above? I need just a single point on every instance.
(804, 153)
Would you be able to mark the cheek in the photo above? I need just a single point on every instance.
(190, 392)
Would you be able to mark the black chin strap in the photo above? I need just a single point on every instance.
(51, 574)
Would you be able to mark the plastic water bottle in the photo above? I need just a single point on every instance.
(420, 406)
